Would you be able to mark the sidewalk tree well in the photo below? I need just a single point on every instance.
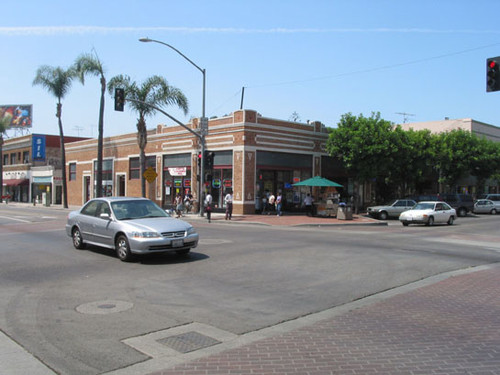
(89, 64)
(57, 81)
(154, 91)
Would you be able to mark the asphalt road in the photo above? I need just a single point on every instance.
(72, 309)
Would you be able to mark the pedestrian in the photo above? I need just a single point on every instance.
(188, 201)
(178, 205)
(272, 201)
(208, 206)
(279, 204)
(308, 203)
(228, 200)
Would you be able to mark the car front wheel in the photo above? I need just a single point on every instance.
(77, 239)
(123, 249)
(383, 215)
(430, 222)
(493, 211)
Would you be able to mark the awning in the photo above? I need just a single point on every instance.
(16, 182)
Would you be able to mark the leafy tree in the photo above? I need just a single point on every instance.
(89, 64)
(153, 91)
(4, 124)
(57, 81)
(454, 152)
(364, 145)
(485, 161)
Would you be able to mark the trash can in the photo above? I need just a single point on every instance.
(344, 212)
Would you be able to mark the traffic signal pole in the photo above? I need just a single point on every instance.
(203, 130)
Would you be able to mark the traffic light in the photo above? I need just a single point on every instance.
(209, 159)
(119, 99)
(199, 159)
(493, 74)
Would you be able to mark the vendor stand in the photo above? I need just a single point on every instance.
(327, 198)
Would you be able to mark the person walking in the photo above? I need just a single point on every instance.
(208, 206)
(279, 204)
(178, 205)
(228, 200)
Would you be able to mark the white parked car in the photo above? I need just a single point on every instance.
(391, 209)
(429, 213)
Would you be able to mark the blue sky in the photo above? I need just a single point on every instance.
(320, 59)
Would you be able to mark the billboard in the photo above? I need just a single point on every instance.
(19, 116)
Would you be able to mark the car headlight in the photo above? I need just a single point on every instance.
(146, 234)
(191, 231)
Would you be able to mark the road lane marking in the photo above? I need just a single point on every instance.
(13, 218)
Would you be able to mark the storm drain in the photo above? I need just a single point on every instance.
(188, 342)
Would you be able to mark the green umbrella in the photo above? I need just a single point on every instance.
(317, 181)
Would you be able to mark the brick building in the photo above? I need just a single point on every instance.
(252, 154)
(31, 167)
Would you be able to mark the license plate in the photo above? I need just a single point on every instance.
(177, 243)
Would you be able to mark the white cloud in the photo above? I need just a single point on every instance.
(68, 30)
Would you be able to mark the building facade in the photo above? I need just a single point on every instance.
(31, 168)
(252, 154)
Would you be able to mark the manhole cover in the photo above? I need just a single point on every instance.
(188, 342)
(104, 307)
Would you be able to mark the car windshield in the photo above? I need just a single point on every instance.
(137, 209)
(423, 206)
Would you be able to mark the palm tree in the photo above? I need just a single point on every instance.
(57, 81)
(89, 64)
(4, 124)
(153, 91)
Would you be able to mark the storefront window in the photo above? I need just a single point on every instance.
(107, 177)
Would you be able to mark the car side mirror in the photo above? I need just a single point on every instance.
(105, 216)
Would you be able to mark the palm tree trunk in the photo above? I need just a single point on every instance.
(100, 141)
(63, 156)
(142, 141)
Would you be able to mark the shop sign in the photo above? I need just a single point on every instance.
(296, 180)
(38, 147)
(181, 171)
(228, 183)
(216, 183)
(178, 183)
(187, 182)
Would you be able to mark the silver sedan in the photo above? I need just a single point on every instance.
(486, 206)
(130, 226)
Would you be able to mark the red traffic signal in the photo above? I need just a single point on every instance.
(493, 74)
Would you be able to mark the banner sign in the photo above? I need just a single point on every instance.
(177, 171)
(38, 147)
(18, 116)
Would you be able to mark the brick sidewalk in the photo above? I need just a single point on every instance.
(449, 327)
(290, 220)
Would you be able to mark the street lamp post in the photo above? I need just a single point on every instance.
(203, 121)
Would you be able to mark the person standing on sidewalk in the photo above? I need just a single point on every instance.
(228, 200)
(208, 206)
(308, 203)
(279, 204)
(272, 202)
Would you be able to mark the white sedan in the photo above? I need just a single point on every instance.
(429, 213)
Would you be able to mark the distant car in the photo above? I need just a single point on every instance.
(462, 203)
(391, 209)
(486, 206)
(130, 226)
(429, 213)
